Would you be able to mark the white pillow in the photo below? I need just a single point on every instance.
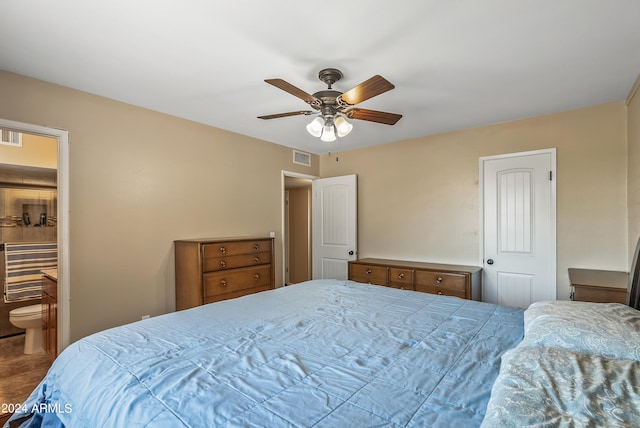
(611, 330)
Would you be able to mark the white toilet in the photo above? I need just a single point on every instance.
(29, 318)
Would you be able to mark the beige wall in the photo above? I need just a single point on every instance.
(419, 199)
(633, 136)
(36, 151)
(139, 180)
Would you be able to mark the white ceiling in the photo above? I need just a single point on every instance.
(455, 63)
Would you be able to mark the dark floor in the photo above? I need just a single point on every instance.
(19, 373)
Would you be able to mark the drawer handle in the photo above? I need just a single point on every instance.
(368, 271)
(223, 264)
(256, 259)
(256, 277)
(256, 247)
(439, 280)
(401, 276)
(223, 250)
(223, 283)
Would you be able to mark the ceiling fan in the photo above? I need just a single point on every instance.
(333, 106)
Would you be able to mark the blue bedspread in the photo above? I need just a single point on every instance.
(322, 353)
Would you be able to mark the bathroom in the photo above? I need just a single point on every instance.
(28, 200)
(28, 214)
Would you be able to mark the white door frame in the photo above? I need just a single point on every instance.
(552, 202)
(64, 284)
(283, 226)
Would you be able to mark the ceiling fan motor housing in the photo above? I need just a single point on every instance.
(330, 76)
(329, 105)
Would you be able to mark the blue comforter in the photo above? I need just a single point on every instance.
(322, 353)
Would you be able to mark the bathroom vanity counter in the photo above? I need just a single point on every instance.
(51, 273)
(50, 312)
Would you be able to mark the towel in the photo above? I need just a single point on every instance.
(24, 262)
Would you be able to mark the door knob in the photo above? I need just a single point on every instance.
(351, 253)
(490, 261)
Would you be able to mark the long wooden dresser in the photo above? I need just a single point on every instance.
(210, 270)
(451, 280)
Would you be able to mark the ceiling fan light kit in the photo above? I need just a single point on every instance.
(315, 126)
(342, 126)
(328, 132)
(326, 127)
(333, 106)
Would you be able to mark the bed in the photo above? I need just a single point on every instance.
(323, 353)
(334, 353)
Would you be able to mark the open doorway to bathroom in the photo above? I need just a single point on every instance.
(28, 218)
(28, 213)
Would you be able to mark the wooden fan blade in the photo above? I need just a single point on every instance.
(367, 89)
(291, 113)
(373, 116)
(288, 87)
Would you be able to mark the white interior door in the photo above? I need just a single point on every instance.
(334, 226)
(519, 228)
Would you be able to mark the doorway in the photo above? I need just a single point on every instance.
(329, 222)
(62, 219)
(518, 227)
(297, 236)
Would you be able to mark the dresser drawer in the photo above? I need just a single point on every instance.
(452, 281)
(233, 295)
(442, 291)
(223, 282)
(234, 248)
(449, 284)
(231, 262)
(368, 274)
(401, 278)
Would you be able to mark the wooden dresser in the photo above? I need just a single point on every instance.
(450, 280)
(600, 286)
(210, 270)
(50, 312)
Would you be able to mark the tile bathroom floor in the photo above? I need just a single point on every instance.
(19, 373)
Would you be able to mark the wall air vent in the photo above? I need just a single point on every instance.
(11, 138)
(301, 158)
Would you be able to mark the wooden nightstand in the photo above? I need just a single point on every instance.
(603, 286)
